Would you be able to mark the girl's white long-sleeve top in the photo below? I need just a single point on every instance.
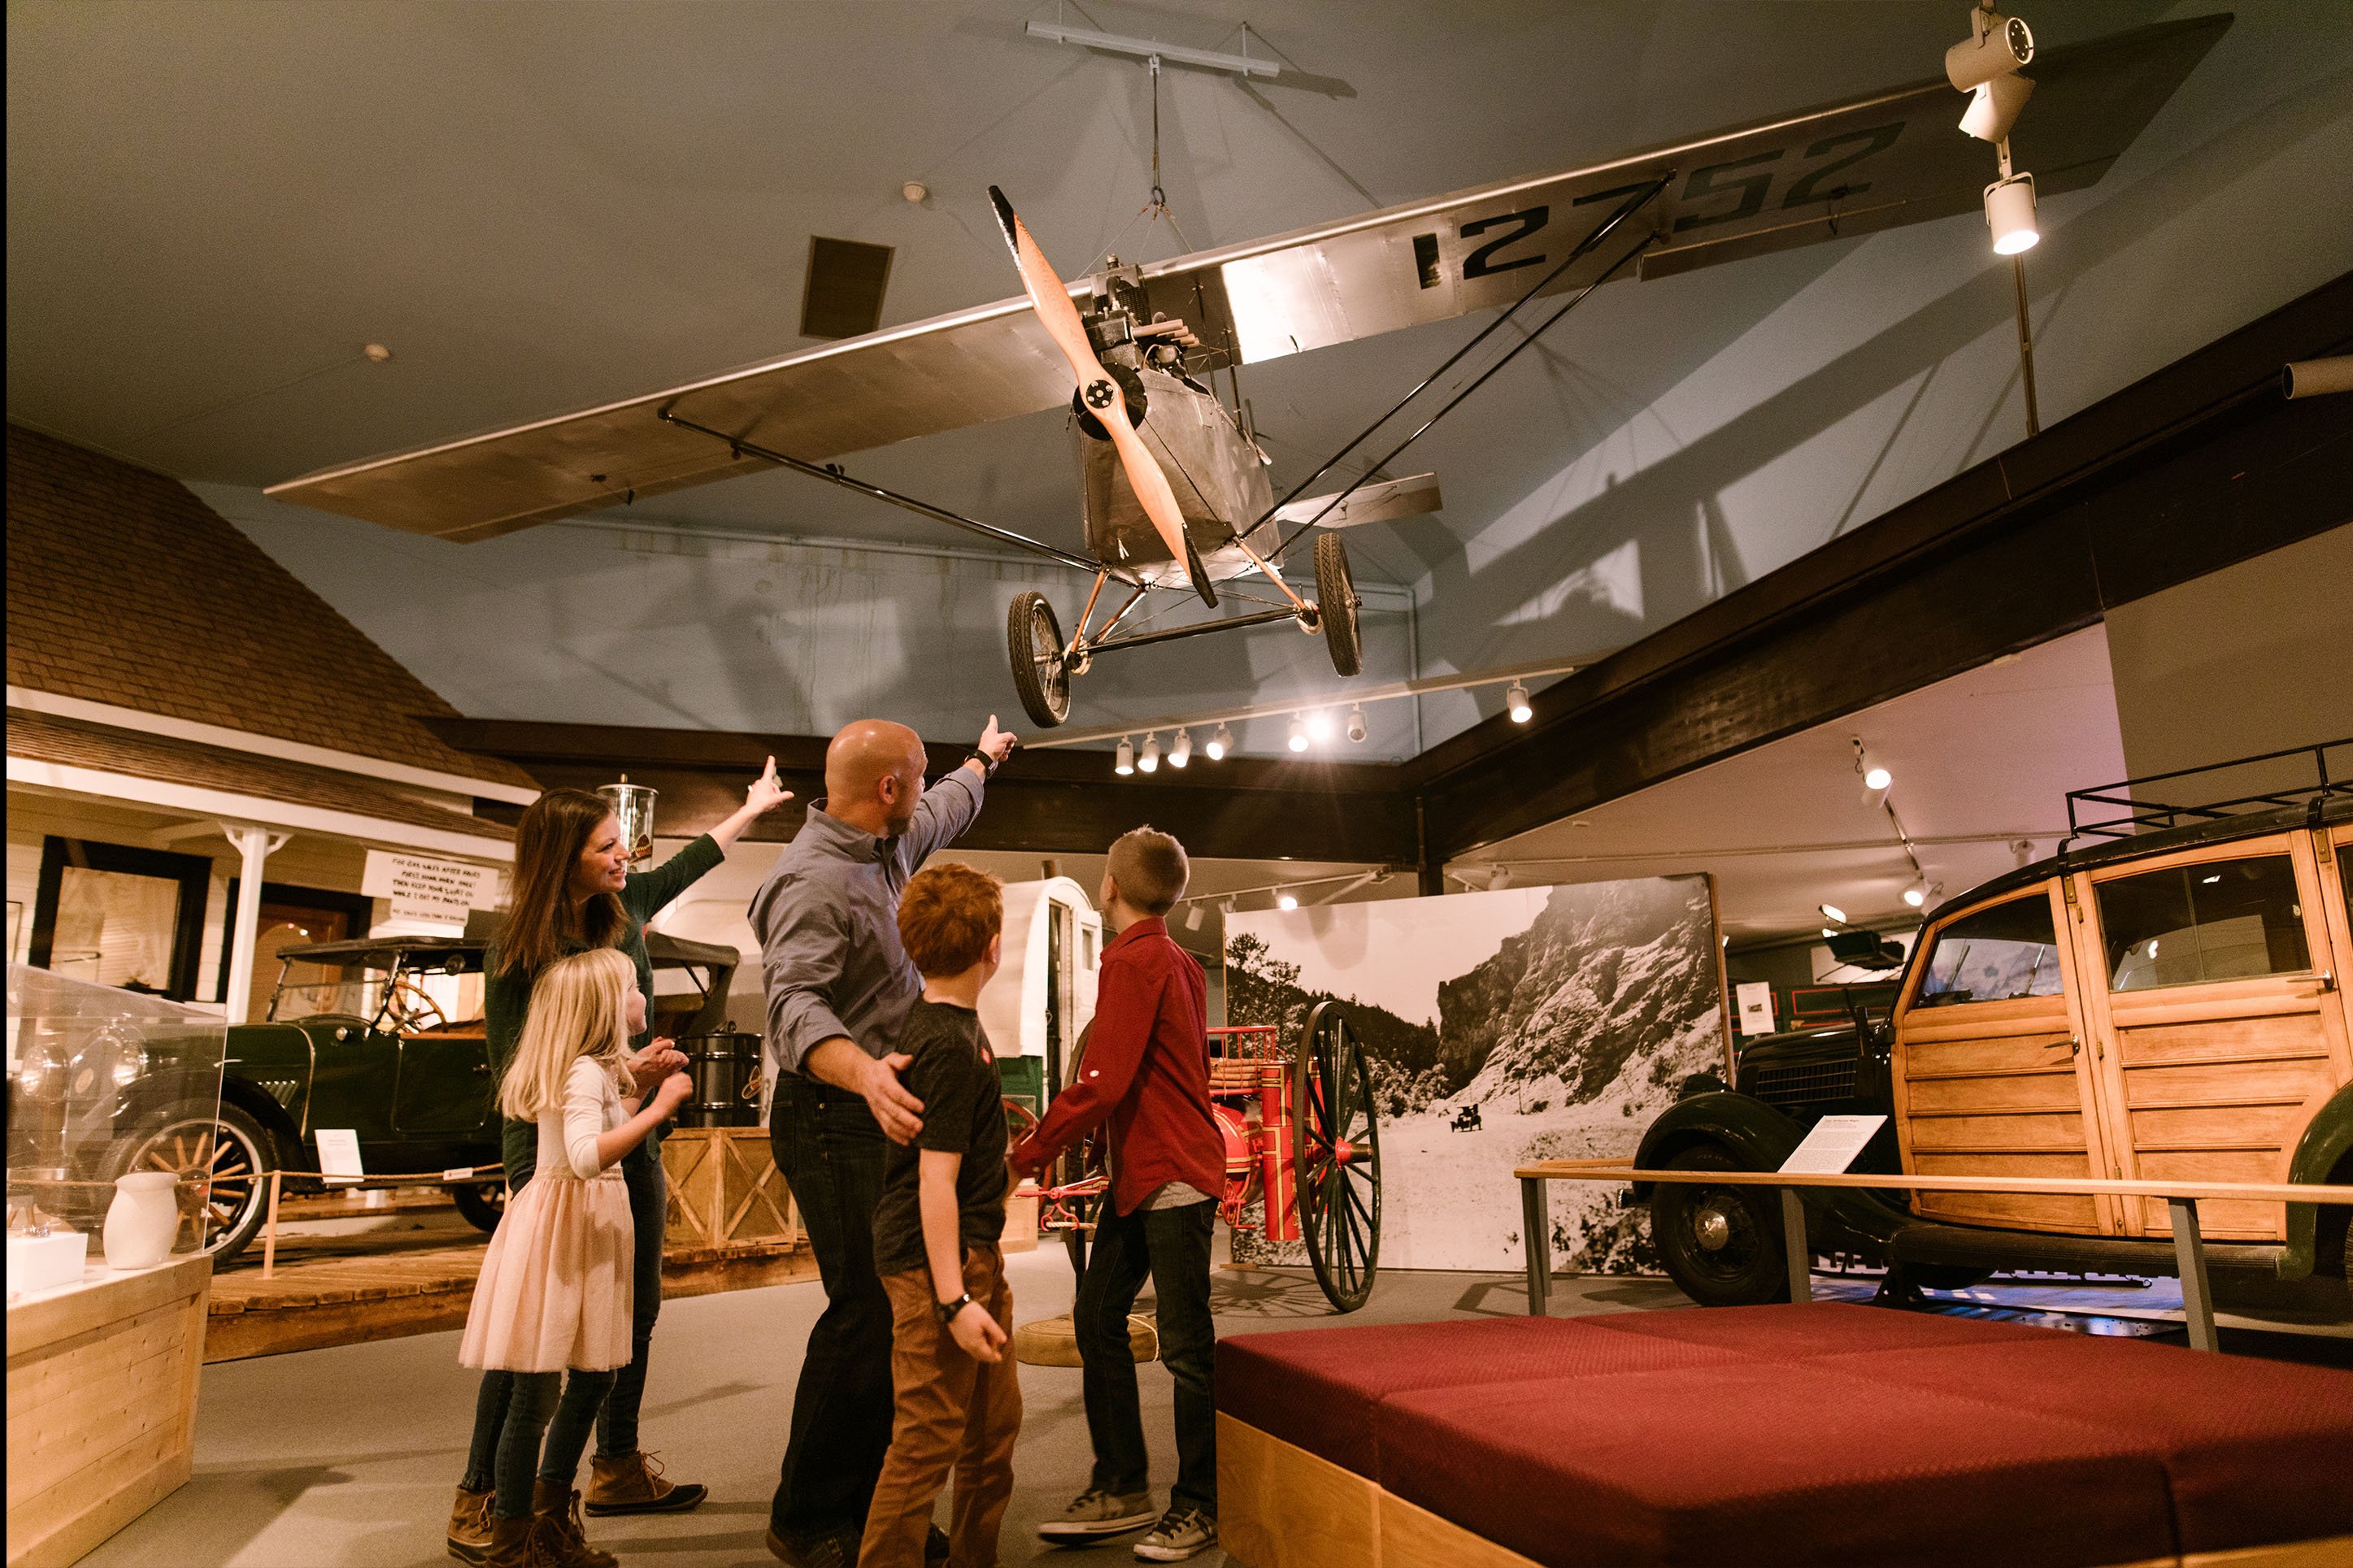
(568, 1133)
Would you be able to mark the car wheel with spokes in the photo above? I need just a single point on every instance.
(480, 1204)
(1033, 640)
(223, 1159)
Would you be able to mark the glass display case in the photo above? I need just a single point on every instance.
(106, 1083)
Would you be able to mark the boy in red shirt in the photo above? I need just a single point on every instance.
(1146, 1072)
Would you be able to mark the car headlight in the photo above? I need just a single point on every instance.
(130, 1067)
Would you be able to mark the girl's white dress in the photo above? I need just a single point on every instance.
(554, 1290)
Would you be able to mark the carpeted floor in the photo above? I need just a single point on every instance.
(346, 1458)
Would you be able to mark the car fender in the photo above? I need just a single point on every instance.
(1761, 1137)
(2324, 1150)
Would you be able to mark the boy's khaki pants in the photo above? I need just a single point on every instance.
(953, 1412)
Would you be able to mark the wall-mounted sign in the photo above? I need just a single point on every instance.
(1756, 997)
(428, 890)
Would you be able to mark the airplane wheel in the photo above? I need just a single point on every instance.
(1033, 640)
(1335, 605)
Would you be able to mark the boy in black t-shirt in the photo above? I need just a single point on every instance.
(958, 1404)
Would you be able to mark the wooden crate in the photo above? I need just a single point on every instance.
(725, 1190)
(101, 1406)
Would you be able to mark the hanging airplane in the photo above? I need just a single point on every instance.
(1175, 489)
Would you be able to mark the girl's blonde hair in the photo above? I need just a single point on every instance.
(578, 1008)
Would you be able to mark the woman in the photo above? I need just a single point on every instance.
(573, 889)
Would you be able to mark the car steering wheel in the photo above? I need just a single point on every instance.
(409, 1010)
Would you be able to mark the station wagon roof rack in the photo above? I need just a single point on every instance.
(2128, 806)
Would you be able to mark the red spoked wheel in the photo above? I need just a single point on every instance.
(1336, 1151)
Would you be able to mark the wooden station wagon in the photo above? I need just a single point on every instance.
(2167, 1004)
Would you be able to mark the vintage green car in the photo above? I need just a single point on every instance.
(383, 1035)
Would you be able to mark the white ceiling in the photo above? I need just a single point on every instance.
(1980, 761)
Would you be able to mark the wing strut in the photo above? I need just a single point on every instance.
(834, 476)
(1638, 198)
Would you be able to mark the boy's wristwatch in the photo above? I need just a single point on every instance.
(948, 1309)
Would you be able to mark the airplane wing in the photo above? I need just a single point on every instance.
(1869, 164)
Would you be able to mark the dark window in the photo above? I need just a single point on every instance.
(2226, 920)
(121, 916)
(2009, 950)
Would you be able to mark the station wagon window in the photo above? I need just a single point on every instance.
(2226, 920)
(1994, 955)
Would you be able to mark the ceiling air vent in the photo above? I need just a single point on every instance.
(846, 280)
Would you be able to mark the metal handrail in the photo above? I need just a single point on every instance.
(2183, 1197)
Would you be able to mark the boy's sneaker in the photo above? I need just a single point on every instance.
(1182, 1532)
(1095, 1513)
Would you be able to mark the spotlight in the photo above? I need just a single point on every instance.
(1298, 741)
(1877, 778)
(1124, 760)
(1916, 894)
(1285, 902)
(1219, 744)
(1994, 108)
(1150, 761)
(1319, 725)
(1182, 751)
(1832, 912)
(1192, 913)
(1356, 723)
(2009, 213)
(1827, 931)
(1515, 701)
(1499, 878)
(1997, 46)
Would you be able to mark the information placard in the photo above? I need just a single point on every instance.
(422, 889)
(1832, 1145)
(339, 1155)
(1755, 998)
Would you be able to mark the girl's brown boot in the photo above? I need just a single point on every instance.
(562, 1543)
(511, 1543)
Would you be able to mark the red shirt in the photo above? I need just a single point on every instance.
(1146, 1069)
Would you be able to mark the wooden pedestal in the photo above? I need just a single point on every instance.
(724, 1189)
(102, 1405)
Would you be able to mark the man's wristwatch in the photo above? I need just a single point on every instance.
(948, 1309)
(988, 764)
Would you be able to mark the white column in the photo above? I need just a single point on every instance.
(254, 848)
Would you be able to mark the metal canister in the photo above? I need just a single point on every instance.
(725, 1071)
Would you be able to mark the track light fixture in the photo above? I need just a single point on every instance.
(1285, 902)
(1192, 913)
(1182, 751)
(2010, 213)
(1124, 760)
(1499, 878)
(1220, 743)
(1319, 724)
(1877, 777)
(1916, 894)
(1356, 723)
(1149, 762)
(1515, 702)
(1832, 912)
(1297, 739)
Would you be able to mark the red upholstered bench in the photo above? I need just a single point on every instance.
(1770, 1436)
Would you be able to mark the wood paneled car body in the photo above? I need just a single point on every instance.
(2167, 1006)
(383, 1035)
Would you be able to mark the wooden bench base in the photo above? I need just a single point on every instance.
(1279, 1506)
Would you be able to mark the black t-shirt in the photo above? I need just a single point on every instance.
(954, 1075)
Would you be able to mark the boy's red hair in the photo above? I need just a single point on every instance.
(947, 917)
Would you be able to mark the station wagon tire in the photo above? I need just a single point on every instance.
(234, 1152)
(1033, 644)
(1335, 605)
(1722, 1246)
(482, 1203)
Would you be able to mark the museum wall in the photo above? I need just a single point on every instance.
(2255, 658)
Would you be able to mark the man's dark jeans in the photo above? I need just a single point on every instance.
(830, 1152)
(1173, 1247)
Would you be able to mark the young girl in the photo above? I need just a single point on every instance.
(555, 1286)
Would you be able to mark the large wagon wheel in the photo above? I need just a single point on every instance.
(1335, 1154)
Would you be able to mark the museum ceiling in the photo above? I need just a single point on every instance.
(539, 207)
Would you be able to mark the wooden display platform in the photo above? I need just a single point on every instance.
(340, 1290)
(102, 1405)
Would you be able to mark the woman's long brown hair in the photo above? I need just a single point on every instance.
(541, 925)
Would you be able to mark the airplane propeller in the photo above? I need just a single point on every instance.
(1051, 301)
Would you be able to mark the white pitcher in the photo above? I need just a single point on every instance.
(143, 1220)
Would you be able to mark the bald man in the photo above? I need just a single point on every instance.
(838, 987)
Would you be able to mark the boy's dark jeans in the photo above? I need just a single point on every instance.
(828, 1149)
(1173, 1247)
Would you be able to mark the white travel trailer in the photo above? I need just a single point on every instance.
(1045, 994)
